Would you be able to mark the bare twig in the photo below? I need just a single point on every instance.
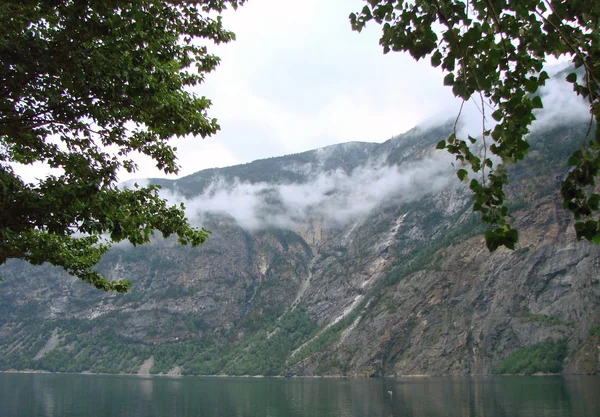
(458, 115)
(483, 130)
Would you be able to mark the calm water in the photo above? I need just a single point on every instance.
(36, 395)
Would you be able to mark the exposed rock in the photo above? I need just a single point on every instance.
(146, 366)
(175, 371)
(50, 345)
(404, 288)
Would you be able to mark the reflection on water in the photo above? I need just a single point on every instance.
(25, 395)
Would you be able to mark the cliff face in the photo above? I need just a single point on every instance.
(470, 309)
(356, 259)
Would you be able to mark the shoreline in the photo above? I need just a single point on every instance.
(145, 376)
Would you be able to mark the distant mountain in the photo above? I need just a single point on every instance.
(354, 259)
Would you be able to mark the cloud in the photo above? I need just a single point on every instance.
(337, 197)
(561, 106)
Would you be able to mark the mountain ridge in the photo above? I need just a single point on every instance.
(361, 260)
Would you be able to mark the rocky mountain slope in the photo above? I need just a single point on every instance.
(357, 259)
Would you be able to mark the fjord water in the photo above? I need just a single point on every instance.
(37, 395)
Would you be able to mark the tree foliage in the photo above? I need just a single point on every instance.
(545, 357)
(494, 51)
(84, 87)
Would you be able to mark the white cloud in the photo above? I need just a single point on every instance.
(561, 105)
(337, 197)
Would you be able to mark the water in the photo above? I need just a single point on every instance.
(37, 395)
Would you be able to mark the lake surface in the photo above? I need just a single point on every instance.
(37, 395)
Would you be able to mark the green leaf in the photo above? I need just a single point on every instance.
(441, 144)
(449, 79)
(594, 201)
(572, 77)
(492, 241)
(573, 160)
(536, 102)
(462, 175)
(531, 85)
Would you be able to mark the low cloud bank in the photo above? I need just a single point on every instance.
(337, 197)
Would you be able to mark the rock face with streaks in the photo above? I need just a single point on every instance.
(473, 308)
(356, 259)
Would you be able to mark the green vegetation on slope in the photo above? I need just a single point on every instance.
(329, 336)
(267, 354)
(546, 357)
(263, 352)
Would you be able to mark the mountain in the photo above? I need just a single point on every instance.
(358, 259)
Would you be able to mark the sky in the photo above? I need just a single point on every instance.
(298, 78)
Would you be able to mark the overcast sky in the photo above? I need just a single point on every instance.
(298, 78)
